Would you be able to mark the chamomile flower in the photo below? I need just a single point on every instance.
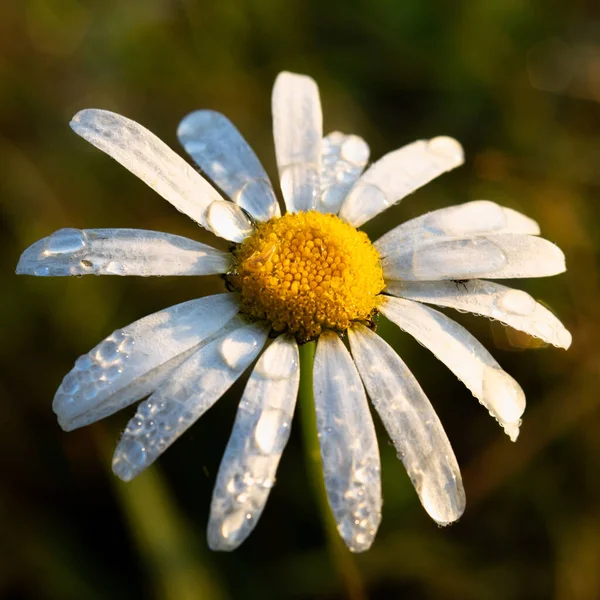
(308, 275)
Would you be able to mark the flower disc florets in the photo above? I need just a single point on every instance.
(306, 272)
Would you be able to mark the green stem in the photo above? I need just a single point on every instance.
(340, 555)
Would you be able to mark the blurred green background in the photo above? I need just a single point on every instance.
(517, 82)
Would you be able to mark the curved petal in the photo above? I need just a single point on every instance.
(412, 424)
(479, 217)
(260, 434)
(298, 129)
(398, 174)
(119, 252)
(219, 149)
(142, 153)
(513, 307)
(229, 221)
(182, 399)
(343, 158)
(464, 356)
(349, 448)
(500, 256)
(130, 362)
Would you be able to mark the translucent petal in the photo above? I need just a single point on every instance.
(398, 174)
(298, 129)
(479, 217)
(464, 356)
(219, 149)
(259, 436)
(343, 158)
(126, 365)
(412, 424)
(513, 307)
(119, 252)
(499, 256)
(228, 220)
(182, 399)
(348, 444)
(140, 151)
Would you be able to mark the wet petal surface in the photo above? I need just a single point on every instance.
(297, 130)
(142, 153)
(219, 149)
(412, 425)
(464, 356)
(260, 434)
(182, 399)
(398, 174)
(120, 252)
(348, 443)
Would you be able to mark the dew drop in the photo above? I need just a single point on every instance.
(114, 267)
(300, 183)
(83, 363)
(516, 302)
(355, 150)
(278, 363)
(502, 395)
(107, 351)
(66, 241)
(228, 220)
(271, 431)
(133, 452)
(232, 525)
(238, 347)
(70, 384)
(41, 271)
(458, 259)
(364, 201)
(446, 147)
(253, 198)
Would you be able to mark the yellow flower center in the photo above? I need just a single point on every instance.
(306, 272)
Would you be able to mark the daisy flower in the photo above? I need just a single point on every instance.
(306, 276)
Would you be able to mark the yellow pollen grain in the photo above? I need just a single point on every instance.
(308, 271)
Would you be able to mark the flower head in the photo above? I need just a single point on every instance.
(307, 275)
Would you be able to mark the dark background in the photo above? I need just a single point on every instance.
(517, 82)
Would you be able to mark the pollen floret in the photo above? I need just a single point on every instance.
(306, 272)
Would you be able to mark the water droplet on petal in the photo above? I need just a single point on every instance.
(355, 150)
(271, 429)
(232, 525)
(503, 395)
(446, 147)
(300, 182)
(41, 271)
(66, 241)
(278, 365)
(516, 302)
(115, 268)
(237, 347)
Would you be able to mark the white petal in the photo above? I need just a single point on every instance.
(343, 158)
(260, 434)
(182, 399)
(348, 443)
(298, 129)
(140, 151)
(464, 356)
(127, 365)
(513, 307)
(219, 149)
(479, 217)
(398, 174)
(499, 256)
(228, 220)
(412, 424)
(120, 252)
